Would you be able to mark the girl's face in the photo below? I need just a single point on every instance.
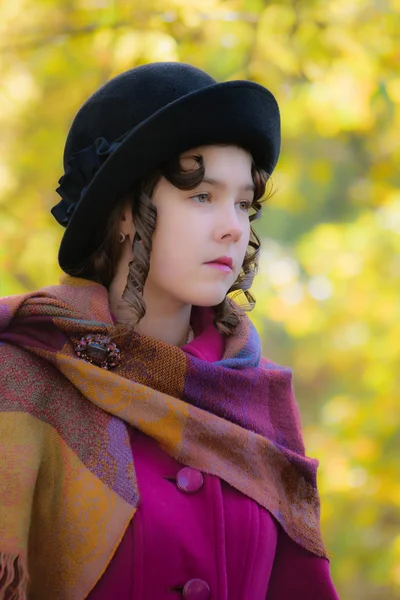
(196, 227)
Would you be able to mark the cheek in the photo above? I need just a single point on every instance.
(170, 252)
(175, 235)
(244, 243)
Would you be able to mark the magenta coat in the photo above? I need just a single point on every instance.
(195, 537)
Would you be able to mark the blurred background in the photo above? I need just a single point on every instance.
(328, 289)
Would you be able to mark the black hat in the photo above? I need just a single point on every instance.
(140, 119)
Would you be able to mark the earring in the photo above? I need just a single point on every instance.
(122, 237)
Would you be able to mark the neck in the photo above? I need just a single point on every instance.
(173, 329)
(163, 321)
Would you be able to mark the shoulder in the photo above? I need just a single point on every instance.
(281, 405)
(32, 385)
(277, 377)
(26, 380)
(268, 365)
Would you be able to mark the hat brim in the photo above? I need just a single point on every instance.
(237, 112)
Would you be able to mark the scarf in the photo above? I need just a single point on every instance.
(67, 478)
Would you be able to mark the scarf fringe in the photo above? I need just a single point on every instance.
(13, 577)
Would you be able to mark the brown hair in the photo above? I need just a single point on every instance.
(102, 264)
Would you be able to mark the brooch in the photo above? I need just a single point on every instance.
(99, 350)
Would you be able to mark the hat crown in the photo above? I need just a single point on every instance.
(129, 99)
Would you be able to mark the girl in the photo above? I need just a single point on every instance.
(148, 451)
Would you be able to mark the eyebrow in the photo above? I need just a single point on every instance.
(246, 188)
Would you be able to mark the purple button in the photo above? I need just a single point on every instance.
(189, 480)
(196, 589)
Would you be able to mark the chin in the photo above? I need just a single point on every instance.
(208, 298)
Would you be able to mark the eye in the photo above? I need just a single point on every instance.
(201, 198)
(245, 204)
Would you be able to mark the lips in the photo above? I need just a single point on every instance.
(222, 260)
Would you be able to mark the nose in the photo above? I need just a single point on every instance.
(230, 226)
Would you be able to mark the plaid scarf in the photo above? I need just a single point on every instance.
(67, 479)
